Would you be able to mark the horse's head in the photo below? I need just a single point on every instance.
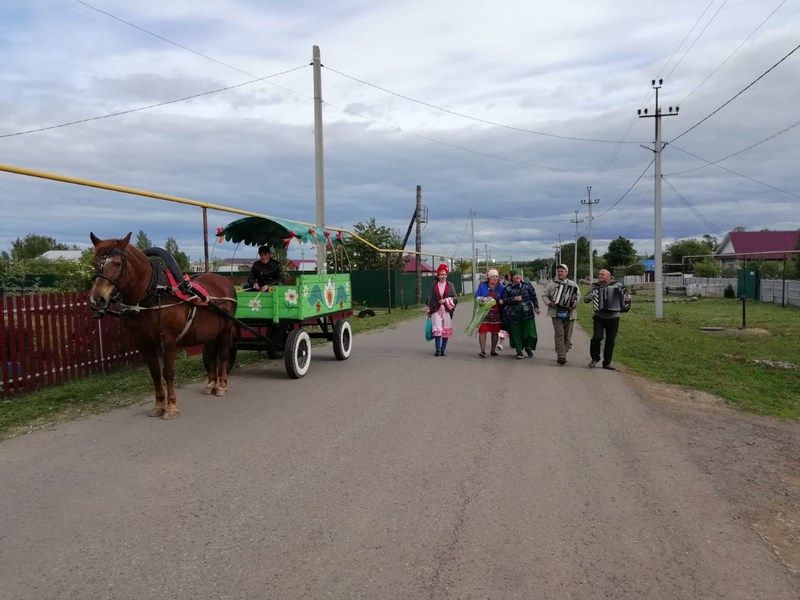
(110, 260)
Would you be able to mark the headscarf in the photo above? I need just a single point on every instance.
(492, 273)
(442, 267)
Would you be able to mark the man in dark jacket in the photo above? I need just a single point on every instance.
(606, 316)
(265, 272)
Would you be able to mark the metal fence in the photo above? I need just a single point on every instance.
(47, 339)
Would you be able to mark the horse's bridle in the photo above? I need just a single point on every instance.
(100, 274)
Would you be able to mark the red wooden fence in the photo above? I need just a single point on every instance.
(47, 339)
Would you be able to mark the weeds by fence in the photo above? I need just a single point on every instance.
(47, 339)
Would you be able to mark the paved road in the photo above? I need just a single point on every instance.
(392, 475)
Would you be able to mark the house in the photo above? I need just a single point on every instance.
(225, 265)
(738, 246)
(411, 265)
(72, 255)
(301, 265)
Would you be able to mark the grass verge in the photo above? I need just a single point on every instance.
(98, 393)
(757, 372)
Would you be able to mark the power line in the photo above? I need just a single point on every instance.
(735, 50)
(699, 35)
(477, 119)
(715, 228)
(738, 152)
(149, 106)
(523, 220)
(628, 191)
(685, 37)
(767, 185)
(739, 93)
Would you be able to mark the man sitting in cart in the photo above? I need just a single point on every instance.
(265, 272)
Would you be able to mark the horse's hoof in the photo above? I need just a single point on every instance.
(220, 391)
(209, 389)
(156, 412)
(168, 416)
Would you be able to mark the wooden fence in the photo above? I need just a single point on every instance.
(47, 339)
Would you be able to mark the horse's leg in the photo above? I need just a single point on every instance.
(154, 365)
(223, 352)
(210, 350)
(170, 352)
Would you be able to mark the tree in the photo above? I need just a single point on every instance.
(181, 258)
(707, 268)
(360, 255)
(33, 246)
(142, 241)
(621, 253)
(677, 250)
(568, 256)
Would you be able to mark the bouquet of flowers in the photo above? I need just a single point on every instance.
(481, 309)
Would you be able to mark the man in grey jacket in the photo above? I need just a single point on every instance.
(561, 296)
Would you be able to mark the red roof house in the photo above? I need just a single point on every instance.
(411, 265)
(758, 245)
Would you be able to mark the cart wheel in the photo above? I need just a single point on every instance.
(297, 356)
(342, 340)
(231, 358)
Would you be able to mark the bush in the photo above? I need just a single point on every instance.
(729, 293)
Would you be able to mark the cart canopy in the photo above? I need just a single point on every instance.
(255, 231)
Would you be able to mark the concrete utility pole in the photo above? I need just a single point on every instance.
(656, 149)
(558, 249)
(575, 261)
(474, 252)
(418, 246)
(319, 164)
(590, 202)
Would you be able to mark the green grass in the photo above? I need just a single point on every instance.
(98, 393)
(674, 350)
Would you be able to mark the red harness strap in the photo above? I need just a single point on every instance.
(172, 286)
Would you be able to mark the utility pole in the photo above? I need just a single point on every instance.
(319, 164)
(590, 202)
(474, 252)
(486, 254)
(558, 250)
(656, 149)
(575, 261)
(418, 246)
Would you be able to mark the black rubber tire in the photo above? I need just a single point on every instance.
(342, 340)
(231, 358)
(297, 355)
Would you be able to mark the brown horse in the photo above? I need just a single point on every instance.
(159, 322)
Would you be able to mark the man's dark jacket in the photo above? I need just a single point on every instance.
(269, 273)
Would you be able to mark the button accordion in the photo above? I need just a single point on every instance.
(565, 295)
(610, 298)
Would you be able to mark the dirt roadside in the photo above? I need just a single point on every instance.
(752, 461)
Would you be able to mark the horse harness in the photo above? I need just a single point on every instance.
(160, 286)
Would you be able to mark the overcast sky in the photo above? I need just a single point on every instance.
(569, 69)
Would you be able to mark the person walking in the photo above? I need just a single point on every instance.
(491, 289)
(561, 296)
(520, 305)
(441, 304)
(608, 299)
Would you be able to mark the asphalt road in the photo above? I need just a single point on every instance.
(391, 475)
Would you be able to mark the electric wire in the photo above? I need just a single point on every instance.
(149, 106)
(472, 118)
(739, 93)
(685, 37)
(767, 185)
(523, 220)
(710, 224)
(621, 198)
(738, 152)
(735, 50)
(699, 35)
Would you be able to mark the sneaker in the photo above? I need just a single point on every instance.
(529, 352)
(482, 354)
(519, 356)
(592, 364)
(493, 353)
(561, 360)
(609, 368)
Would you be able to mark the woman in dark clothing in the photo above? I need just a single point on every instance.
(520, 305)
(441, 303)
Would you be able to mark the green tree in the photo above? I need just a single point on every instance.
(361, 256)
(677, 250)
(707, 268)
(568, 256)
(33, 246)
(621, 253)
(142, 241)
(181, 258)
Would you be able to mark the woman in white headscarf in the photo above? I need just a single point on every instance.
(492, 289)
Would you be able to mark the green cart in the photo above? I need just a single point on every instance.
(282, 321)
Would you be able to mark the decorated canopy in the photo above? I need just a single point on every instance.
(256, 231)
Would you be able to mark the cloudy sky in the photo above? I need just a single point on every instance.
(508, 109)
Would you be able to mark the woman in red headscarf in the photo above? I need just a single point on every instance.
(441, 304)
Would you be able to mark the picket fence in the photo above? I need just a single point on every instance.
(47, 339)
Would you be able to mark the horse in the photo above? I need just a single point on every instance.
(159, 321)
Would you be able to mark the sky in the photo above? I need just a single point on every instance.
(504, 110)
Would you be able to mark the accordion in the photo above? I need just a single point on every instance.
(610, 297)
(565, 295)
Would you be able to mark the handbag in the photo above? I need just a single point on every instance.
(562, 314)
(428, 330)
